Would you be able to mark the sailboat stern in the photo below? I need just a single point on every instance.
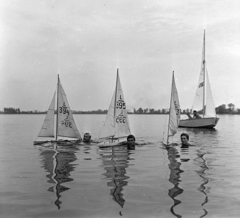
(216, 120)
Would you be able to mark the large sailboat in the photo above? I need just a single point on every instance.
(174, 115)
(116, 125)
(203, 103)
(65, 127)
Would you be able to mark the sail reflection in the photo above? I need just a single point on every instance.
(203, 167)
(175, 171)
(177, 157)
(115, 161)
(58, 162)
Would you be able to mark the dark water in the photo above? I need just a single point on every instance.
(150, 181)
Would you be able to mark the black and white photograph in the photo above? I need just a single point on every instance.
(119, 108)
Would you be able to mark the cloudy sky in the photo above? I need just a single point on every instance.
(86, 41)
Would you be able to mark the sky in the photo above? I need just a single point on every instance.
(85, 42)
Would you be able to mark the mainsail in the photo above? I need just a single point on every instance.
(199, 100)
(116, 124)
(174, 114)
(66, 126)
(203, 101)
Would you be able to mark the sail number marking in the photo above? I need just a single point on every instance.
(201, 85)
(120, 104)
(66, 121)
(63, 109)
(121, 119)
(176, 108)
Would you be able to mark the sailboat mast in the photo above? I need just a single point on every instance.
(115, 100)
(204, 64)
(170, 108)
(57, 107)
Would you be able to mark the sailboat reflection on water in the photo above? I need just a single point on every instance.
(115, 162)
(58, 162)
(180, 164)
(174, 178)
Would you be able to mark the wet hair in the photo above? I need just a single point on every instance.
(87, 134)
(131, 137)
(185, 134)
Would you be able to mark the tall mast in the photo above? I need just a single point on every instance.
(115, 100)
(204, 64)
(57, 107)
(170, 108)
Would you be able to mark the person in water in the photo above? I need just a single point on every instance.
(87, 139)
(185, 139)
(130, 142)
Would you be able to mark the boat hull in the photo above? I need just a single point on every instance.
(209, 123)
(58, 142)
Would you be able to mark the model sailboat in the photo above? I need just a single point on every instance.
(174, 115)
(116, 124)
(66, 128)
(203, 102)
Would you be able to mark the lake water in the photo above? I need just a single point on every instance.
(150, 181)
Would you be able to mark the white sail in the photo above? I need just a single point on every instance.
(47, 129)
(203, 101)
(175, 106)
(174, 115)
(116, 123)
(199, 100)
(210, 106)
(66, 124)
(108, 129)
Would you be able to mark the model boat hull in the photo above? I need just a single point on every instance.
(209, 123)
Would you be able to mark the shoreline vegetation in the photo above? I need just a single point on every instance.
(222, 109)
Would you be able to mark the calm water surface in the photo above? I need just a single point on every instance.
(151, 181)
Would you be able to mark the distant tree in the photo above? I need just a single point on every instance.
(145, 110)
(151, 111)
(99, 111)
(140, 111)
(11, 110)
(231, 107)
(221, 109)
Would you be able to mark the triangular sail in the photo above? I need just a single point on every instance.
(116, 123)
(174, 114)
(203, 100)
(66, 124)
(108, 129)
(47, 129)
(210, 107)
(199, 100)
(121, 118)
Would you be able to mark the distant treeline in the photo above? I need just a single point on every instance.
(222, 109)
